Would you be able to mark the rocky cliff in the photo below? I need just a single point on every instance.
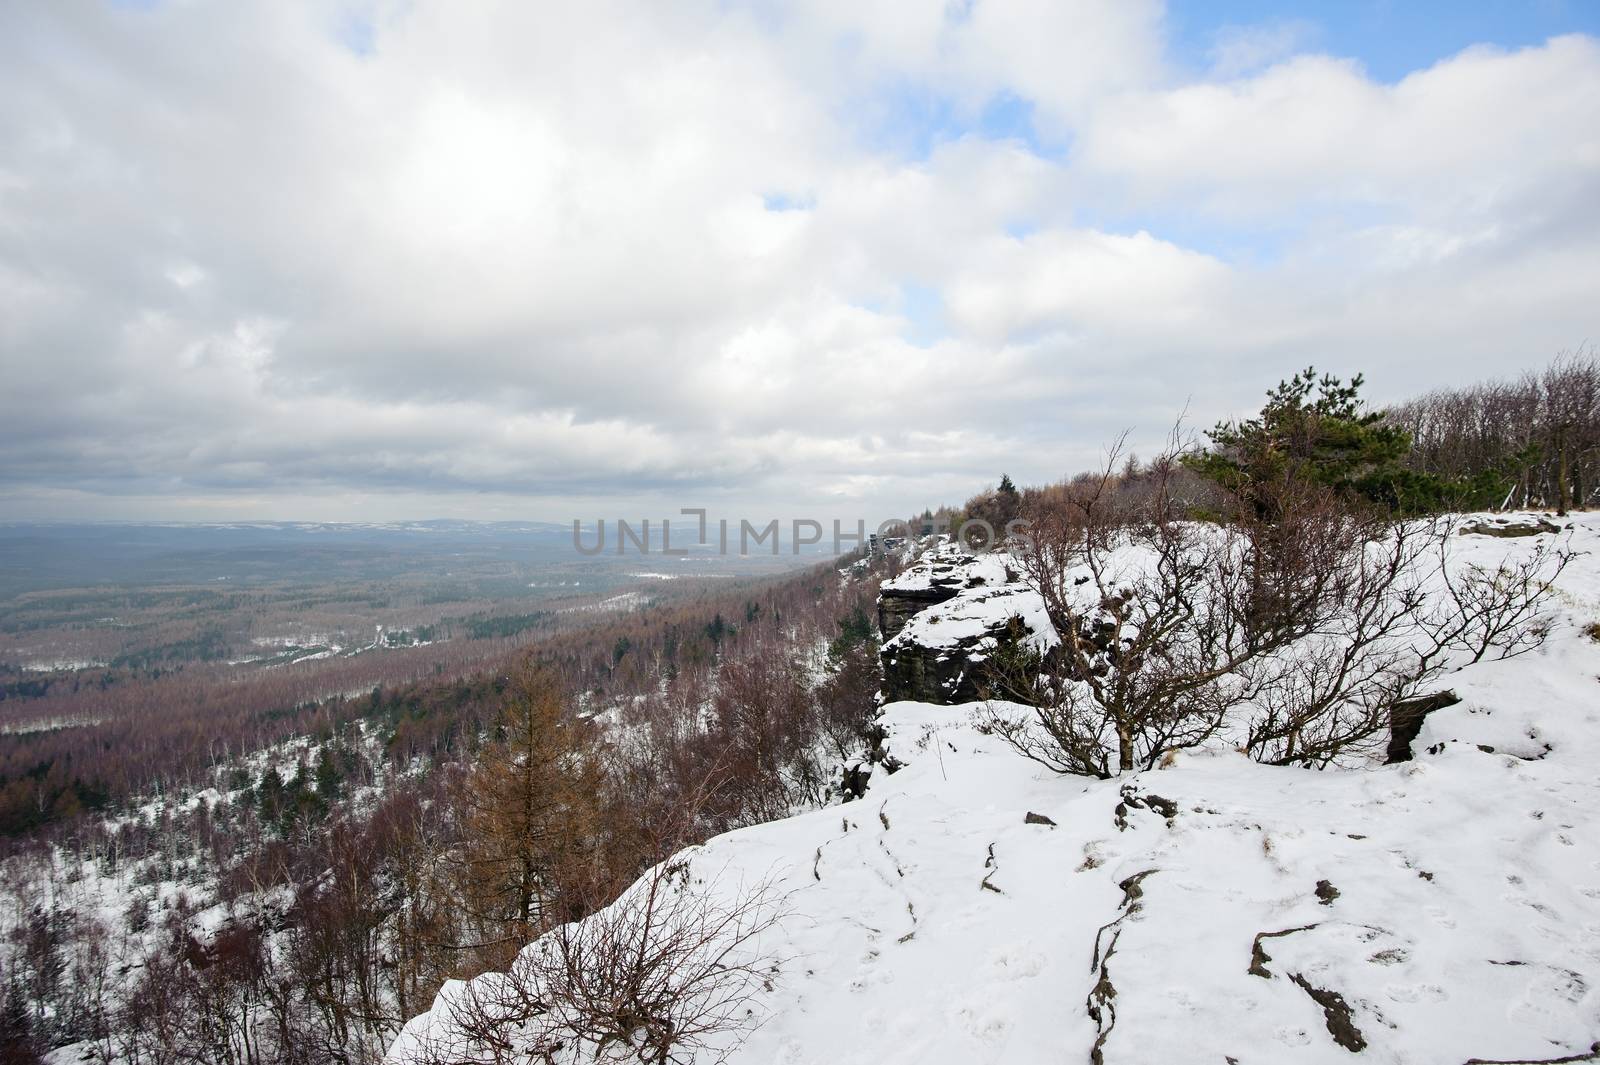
(946, 616)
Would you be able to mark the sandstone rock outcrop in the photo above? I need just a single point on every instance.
(946, 616)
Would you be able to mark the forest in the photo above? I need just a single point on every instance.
(269, 879)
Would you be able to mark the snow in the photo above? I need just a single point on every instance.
(940, 552)
(48, 724)
(1451, 904)
(61, 665)
(973, 616)
(988, 595)
(623, 602)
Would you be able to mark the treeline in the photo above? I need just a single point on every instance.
(91, 743)
(1533, 442)
(1529, 442)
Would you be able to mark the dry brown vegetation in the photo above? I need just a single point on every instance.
(435, 827)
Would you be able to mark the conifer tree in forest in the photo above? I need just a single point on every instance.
(530, 818)
(18, 1043)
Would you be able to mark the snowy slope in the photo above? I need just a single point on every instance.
(1441, 910)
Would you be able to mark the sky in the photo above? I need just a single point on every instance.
(381, 259)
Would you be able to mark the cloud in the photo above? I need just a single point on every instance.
(1464, 136)
(1240, 50)
(414, 258)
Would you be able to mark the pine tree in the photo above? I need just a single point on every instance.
(328, 775)
(269, 794)
(855, 629)
(1008, 503)
(18, 1043)
(1314, 431)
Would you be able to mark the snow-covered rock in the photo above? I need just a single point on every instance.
(944, 617)
(1509, 525)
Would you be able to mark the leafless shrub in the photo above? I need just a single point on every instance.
(1416, 615)
(1291, 631)
(1500, 610)
(665, 970)
(1331, 690)
(669, 972)
(1157, 618)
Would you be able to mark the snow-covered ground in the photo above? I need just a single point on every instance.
(1215, 910)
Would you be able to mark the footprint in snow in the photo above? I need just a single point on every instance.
(1416, 993)
(790, 1052)
(868, 977)
(1016, 963)
(1181, 998)
(1549, 1002)
(986, 1020)
(1440, 916)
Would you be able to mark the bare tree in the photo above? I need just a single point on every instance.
(1531, 442)
(1331, 690)
(1413, 614)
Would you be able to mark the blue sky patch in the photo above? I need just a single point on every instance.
(1391, 38)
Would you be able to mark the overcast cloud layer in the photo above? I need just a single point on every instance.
(517, 260)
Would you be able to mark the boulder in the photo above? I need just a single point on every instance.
(1519, 525)
(1405, 721)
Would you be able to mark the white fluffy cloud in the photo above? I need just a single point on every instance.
(1467, 136)
(519, 259)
